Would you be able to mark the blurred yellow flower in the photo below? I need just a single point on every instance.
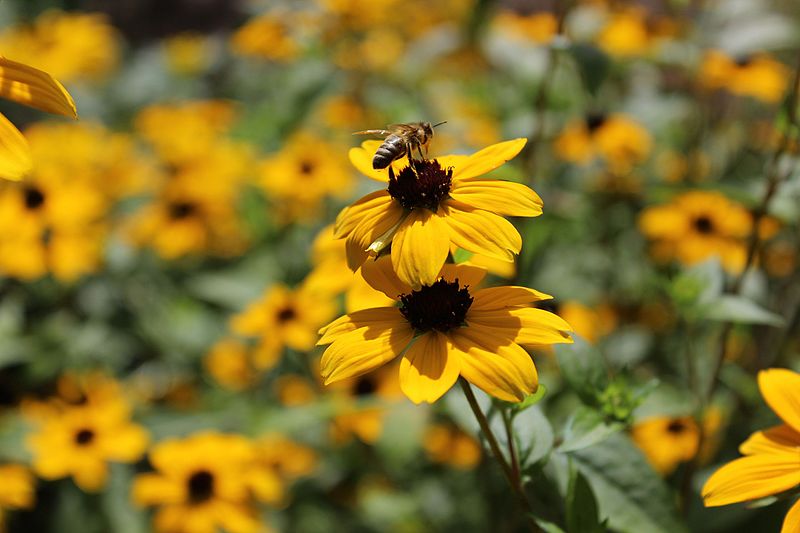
(288, 459)
(205, 482)
(539, 27)
(698, 225)
(616, 139)
(770, 465)
(302, 174)
(432, 205)
(69, 46)
(80, 440)
(188, 53)
(758, 76)
(441, 331)
(268, 36)
(229, 363)
(447, 444)
(284, 317)
(591, 323)
(293, 390)
(667, 441)
(17, 489)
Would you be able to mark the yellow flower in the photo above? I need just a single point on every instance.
(293, 390)
(590, 323)
(449, 445)
(667, 441)
(616, 139)
(305, 171)
(67, 45)
(267, 37)
(228, 362)
(205, 482)
(701, 224)
(287, 458)
(17, 489)
(625, 34)
(538, 27)
(35, 88)
(430, 206)
(456, 331)
(758, 76)
(79, 441)
(284, 317)
(771, 464)
(188, 53)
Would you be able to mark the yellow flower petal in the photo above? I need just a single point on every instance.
(15, 157)
(480, 231)
(467, 275)
(362, 350)
(351, 216)
(378, 320)
(791, 524)
(525, 325)
(506, 297)
(33, 87)
(752, 477)
(428, 369)
(781, 390)
(497, 366)
(775, 439)
(381, 276)
(420, 248)
(488, 159)
(502, 197)
(361, 158)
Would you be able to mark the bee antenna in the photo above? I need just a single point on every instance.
(439, 123)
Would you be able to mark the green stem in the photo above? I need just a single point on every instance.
(514, 481)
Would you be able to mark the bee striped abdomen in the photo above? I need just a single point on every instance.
(394, 147)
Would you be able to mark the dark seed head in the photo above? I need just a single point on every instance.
(365, 386)
(84, 437)
(703, 225)
(306, 167)
(201, 486)
(442, 306)
(34, 198)
(743, 60)
(595, 121)
(179, 210)
(286, 314)
(676, 427)
(421, 184)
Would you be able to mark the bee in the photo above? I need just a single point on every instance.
(400, 140)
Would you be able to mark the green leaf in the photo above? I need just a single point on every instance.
(534, 436)
(529, 401)
(547, 526)
(585, 428)
(741, 310)
(630, 495)
(593, 64)
(581, 505)
(583, 369)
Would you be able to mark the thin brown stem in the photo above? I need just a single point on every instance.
(515, 482)
(512, 447)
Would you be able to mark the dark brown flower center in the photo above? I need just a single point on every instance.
(442, 306)
(286, 314)
(595, 121)
(420, 184)
(365, 386)
(179, 210)
(84, 437)
(34, 198)
(677, 427)
(743, 60)
(703, 225)
(306, 167)
(201, 486)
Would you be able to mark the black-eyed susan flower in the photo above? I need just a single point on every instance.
(698, 225)
(591, 323)
(757, 76)
(268, 36)
(68, 45)
(632, 32)
(79, 441)
(444, 330)
(667, 441)
(35, 88)
(615, 139)
(17, 489)
(771, 464)
(430, 206)
(205, 482)
(448, 444)
(538, 27)
(230, 363)
(288, 459)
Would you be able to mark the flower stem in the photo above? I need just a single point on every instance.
(514, 481)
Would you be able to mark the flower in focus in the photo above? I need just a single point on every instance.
(430, 206)
(616, 139)
(80, 440)
(441, 331)
(770, 465)
(17, 490)
(35, 88)
(758, 76)
(447, 444)
(305, 171)
(205, 482)
(69, 46)
(701, 224)
(284, 317)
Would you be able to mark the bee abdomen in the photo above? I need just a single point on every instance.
(392, 148)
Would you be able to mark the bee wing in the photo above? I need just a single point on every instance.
(403, 129)
(373, 132)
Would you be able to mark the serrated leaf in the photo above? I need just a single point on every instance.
(583, 369)
(630, 495)
(741, 310)
(585, 428)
